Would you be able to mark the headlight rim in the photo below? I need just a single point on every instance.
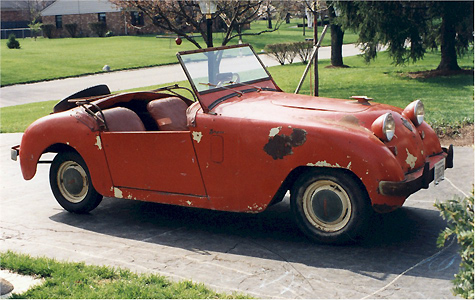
(415, 112)
(384, 127)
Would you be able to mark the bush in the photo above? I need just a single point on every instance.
(459, 216)
(48, 30)
(304, 49)
(12, 42)
(99, 28)
(288, 51)
(278, 51)
(72, 29)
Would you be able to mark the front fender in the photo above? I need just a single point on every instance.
(62, 130)
(356, 149)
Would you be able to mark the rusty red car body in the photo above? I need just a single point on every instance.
(239, 148)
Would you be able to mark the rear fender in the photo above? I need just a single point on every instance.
(60, 132)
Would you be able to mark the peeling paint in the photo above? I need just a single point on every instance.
(118, 193)
(255, 208)
(189, 203)
(197, 135)
(98, 142)
(129, 196)
(274, 131)
(411, 159)
(326, 164)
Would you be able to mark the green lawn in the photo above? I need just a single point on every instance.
(80, 281)
(448, 100)
(46, 59)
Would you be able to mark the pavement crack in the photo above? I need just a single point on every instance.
(289, 263)
(372, 295)
(232, 248)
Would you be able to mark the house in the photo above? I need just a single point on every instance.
(85, 12)
(17, 14)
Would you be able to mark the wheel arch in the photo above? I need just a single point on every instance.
(293, 176)
(59, 148)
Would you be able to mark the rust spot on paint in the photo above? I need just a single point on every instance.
(350, 119)
(281, 145)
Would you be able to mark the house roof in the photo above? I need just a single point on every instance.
(77, 7)
(13, 5)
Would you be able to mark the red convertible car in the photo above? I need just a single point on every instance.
(236, 142)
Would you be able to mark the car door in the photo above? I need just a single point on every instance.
(162, 161)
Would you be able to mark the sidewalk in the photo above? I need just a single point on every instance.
(117, 81)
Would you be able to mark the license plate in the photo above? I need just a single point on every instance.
(439, 169)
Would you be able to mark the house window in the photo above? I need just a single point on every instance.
(101, 17)
(59, 21)
(137, 18)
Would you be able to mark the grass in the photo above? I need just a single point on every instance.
(67, 280)
(46, 59)
(448, 100)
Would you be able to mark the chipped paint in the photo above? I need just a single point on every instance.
(197, 135)
(118, 193)
(189, 203)
(326, 164)
(411, 159)
(98, 143)
(255, 208)
(274, 131)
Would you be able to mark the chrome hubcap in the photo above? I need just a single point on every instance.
(326, 205)
(72, 181)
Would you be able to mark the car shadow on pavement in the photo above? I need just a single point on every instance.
(396, 242)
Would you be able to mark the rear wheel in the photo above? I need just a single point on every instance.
(71, 183)
(330, 206)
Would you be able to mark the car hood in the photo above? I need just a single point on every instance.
(301, 109)
(321, 103)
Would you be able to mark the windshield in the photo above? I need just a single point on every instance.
(214, 69)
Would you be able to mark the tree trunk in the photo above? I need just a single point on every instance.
(336, 39)
(448, 60)
(336, 45)
(269, 19)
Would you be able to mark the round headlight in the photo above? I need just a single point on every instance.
(384, 127)
(415, 112)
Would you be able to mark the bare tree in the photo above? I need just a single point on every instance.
(184, 17)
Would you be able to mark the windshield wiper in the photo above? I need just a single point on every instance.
(258, 88)
(215, 85)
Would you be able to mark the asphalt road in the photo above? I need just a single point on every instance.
(262, 255)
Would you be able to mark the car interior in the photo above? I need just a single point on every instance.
(162, 114)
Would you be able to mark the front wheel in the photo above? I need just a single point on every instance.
(330, 206)
(71, 183)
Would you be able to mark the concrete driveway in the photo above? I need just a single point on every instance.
(262, 255)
